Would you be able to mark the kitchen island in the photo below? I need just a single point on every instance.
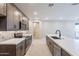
(65, 46)
(15, 46)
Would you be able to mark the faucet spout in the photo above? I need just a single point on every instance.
(58, 33)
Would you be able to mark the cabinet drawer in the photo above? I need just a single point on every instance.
(7, 50)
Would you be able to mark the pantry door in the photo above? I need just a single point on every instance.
(36, 30)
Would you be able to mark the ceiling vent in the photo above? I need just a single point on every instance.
(51, 5)
(75, 3)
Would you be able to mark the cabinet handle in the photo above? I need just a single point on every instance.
(4, 53)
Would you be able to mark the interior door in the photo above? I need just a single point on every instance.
(36, 30)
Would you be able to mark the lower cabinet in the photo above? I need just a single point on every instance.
(50, 44)
(23, 47)
(7, 50)
(16, 50)
(55, 49)
(28, 42)
(20, 49)
(64, 53)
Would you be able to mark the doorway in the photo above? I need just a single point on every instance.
(36, 30)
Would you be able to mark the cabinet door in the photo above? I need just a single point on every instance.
(52, 47)
(50, 44)
(10, 17)
(18, 51)
(24, 23)
(64, 53)
(57, 50)
(28, 42)
(27, 25)
(22, 47)
(7, 50)
(21, 17)
(13, 17)
(16, 18)
(3, 9)
(48, 40)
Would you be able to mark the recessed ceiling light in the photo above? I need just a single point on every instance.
(35, 18)
(76, 17)
(61, 18)
(35, 13)
(24, 18)
(51, 5)
(46, 18)
(75, 3)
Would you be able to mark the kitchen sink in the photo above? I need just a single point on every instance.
(55, 37)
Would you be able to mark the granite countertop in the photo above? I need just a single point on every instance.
(70, 45)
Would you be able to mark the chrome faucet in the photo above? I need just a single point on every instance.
(59, 33)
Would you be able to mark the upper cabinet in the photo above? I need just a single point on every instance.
(24, 23)
(14, 18)
(2, 9)
(10, 17)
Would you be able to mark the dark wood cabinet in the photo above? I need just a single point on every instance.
(2, 9)
(13, 50)
(20, 49)
(64, 53)
(23, 47)
(16, 50)
(28, 42)
(55, 49)
(7, 50)
(3, 23)
(11, 18)
(50, 44)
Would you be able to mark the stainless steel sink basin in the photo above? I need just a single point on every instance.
(55, 37)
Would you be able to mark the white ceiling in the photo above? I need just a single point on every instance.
(59, 11)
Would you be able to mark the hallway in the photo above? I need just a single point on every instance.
(38, 48)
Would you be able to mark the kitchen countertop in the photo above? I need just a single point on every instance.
(70, 45)
(13, 41)
(27, 34)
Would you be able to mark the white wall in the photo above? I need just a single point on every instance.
(49, 27)
(69, 28)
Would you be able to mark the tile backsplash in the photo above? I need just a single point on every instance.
(5, 35)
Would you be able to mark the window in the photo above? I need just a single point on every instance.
(77, 30)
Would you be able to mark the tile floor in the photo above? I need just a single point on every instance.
(38, 48)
